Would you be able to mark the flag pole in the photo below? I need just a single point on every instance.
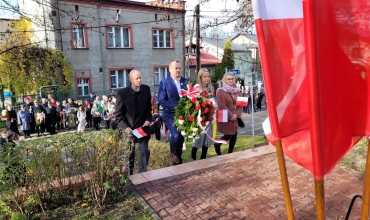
(366, 194)
(315, 113)
(275, 127)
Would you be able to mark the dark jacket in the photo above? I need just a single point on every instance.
(168, 96)
(11, 115)
(51, 115)
(133, 108)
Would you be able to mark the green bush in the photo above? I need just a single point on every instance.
(64, 168)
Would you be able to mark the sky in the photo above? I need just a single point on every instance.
(210, 10)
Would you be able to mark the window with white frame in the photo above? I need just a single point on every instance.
(119, 78)
(78, 40)
(162, 38)
(160, 73)
(83, 87)
(118, 37)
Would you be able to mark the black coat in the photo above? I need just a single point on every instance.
(133, 108)
(51, 115)
(11, 115)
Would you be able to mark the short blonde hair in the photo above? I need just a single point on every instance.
(228, 74)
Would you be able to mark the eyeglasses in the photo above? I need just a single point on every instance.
(230, 79)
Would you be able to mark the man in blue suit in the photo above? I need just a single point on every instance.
(168, 97)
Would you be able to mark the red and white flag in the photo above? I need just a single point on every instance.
(139, 133)
(315, 65)
(222, 115)
(241, 101)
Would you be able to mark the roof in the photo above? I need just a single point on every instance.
(206, 59)
(221, 43)
(252, 37)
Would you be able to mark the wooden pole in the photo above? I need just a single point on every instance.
(284, 179)
(320, 199)
(214, 129)
(366, 194)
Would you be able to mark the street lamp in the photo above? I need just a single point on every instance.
(252, 111)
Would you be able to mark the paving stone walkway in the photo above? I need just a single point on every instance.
(244, 185)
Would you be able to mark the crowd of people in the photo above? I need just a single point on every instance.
(136, 107)
(53, 116)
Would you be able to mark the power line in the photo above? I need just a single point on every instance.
(94, 27)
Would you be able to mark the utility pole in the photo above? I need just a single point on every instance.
(190, 49)
(197, 40)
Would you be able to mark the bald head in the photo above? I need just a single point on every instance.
(135, 79)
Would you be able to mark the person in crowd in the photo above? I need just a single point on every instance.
(44, 102)
(51, 117)
(29, 107)
(11, 119)
(260, 96)
(92, 98)
(81, 116)
(88, 115)
(53, 102)
(39, 118)
(156, 101)
(24, 120)
(106, 115)
(152, 101)
(96, 116)
(226, 99)
(203, 141)
(169, 98)
(98, 100)
(50, 96)
(79, 103)
(61, 113)
(133, 110)
(72, 117)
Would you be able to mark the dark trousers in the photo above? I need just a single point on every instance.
(96, 122)
(40, 128)
(52, 129)
(232, 141)
(176, 139)
(143, 158)
(107, 123)
(157, 133)
(26, 133)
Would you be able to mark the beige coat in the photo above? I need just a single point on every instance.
(225, 101)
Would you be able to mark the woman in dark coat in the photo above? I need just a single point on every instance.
(11, 120)
(24, 120)
(51, 118)
(226, 99)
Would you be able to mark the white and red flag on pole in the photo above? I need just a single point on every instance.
(222, 115)
(316, 66)
(241, 101)
(139, 133)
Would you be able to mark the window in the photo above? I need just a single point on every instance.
(162, 39)
(119, 78)
(78, 38)
(118, 37)
(83, 87)
(159, 74)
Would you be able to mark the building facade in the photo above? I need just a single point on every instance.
(105, 40)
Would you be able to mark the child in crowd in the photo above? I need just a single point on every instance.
(81, 116)
(95, 115)
(106, 115)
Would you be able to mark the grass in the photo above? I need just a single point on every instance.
(356, 158)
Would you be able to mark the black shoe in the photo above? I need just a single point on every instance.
(204, 152)
(38, 135)
(218, 148)
(194, 153)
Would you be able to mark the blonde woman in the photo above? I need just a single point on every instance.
(226, 99)
(204, 80)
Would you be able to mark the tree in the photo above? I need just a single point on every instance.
(227, 62)
(25, 66)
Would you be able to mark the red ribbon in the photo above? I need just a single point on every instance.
(191, 92)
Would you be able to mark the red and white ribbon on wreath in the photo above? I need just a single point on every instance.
(192, 92)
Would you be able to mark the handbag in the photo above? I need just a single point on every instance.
(241, 123)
